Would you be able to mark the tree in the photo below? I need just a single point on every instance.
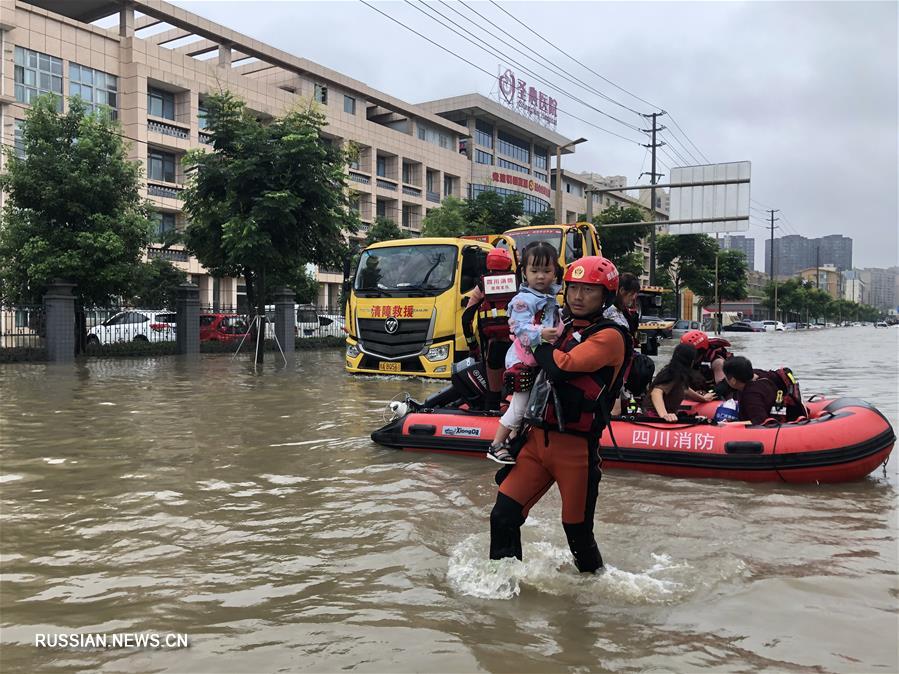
(547, 217)
(384, 229)
(491, 213)
(74, 210)
(156, 284)
(689, 260)
(270, 197)
(619, 242)
(732, 273)
(447, 220)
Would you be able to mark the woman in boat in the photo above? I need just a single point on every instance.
(585, 366)
(764, 394)
(672, 385)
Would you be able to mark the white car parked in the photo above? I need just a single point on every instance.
(771, 326)
(134, 325)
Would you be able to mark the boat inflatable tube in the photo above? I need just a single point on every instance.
(843, 439)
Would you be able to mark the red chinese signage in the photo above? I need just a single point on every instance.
(395, 310)
(520, 181)
(528, 101)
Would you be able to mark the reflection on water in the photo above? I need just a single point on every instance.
(253, 513)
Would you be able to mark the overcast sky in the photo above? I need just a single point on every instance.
(807, 91)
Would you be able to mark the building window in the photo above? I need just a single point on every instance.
(531, 204)
(447, 185)
(540, 160)
(20, 138)
(161, 166)
(95, 88)
(355, 204)
(512, 166)
(321, 93)
(540, 176)
(382, 167)
(37, 74)
(161, 103)
(483, 133)
(349, 105)
(202, 117)
(381, 209)
(482, 157)
(165, 223)
(513, 147)
(431, 135)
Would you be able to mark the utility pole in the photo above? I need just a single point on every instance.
(774, 258)
(652, 194)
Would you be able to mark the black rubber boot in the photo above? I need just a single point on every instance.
(583, 546)
(505, 528)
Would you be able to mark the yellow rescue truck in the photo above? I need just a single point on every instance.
(406, 303)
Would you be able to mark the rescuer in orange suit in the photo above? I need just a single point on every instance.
(562, 444)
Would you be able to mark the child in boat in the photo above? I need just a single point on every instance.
(672, 384)
(533, 320)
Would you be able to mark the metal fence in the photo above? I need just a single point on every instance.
(22, 326)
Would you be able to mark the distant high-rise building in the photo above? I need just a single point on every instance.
(881, 287)
(795, 252)
(743, 244)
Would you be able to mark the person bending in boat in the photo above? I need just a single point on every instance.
(533, 317)
(562, 445)
(672, 385)
(764, 394)
(711, 354)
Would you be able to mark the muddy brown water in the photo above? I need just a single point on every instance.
(252, 513)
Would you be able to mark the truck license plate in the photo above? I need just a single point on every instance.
(389, 367)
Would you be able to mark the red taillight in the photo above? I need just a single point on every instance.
(159, 327)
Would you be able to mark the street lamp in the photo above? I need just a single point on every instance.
(558, 207)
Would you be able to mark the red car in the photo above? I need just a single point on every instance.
(222, 327)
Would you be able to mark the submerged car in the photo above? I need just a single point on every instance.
(222, 327)
(772, 326)
(743, 326)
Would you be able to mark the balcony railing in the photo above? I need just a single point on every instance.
(383, 184)
(167, 254)
(167, 191)
(167, 129)
(359, 178)
(434, 196)
(411, 191)
(205, 138)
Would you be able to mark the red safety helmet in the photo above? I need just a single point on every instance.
(499, 259)
(696, 338)
(595, 271)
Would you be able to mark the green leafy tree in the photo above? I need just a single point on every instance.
(617, 242)
(384, 229)
(270, 197)
(547, 217)
(450, 219)
(492, 213)
(156, 284)
(732, 276)
(73, 210)
(689, 260)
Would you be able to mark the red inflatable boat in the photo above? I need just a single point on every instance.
(843, 439)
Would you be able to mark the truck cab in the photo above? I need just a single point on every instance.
(406, 302)
(573, 241)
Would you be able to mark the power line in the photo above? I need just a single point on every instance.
(486, 72)
(555, 65)
(495, 53)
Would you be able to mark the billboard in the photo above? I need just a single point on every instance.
(710, 208)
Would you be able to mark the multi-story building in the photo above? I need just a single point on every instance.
(155, 64)
(826, 277)
(795, 252)
(744, 244)
(881, 287)
(854, 288)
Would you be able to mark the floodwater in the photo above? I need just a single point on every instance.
(252, 513)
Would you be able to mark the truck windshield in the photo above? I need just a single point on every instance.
(552, 235)
(407, 268)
